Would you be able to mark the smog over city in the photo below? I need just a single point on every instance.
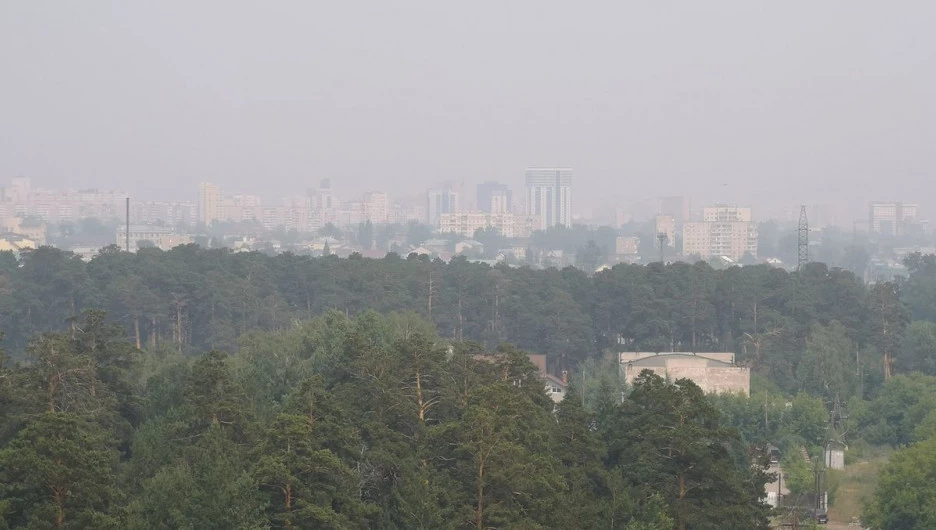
(518, 264)
(771, 105)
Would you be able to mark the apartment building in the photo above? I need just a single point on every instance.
(724, 231)
(467, 223)
(891, 218)
(376, 207)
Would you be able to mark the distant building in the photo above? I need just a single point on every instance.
(351, 214)
(439, 202)
(494, 197)
(891, 218)
(404, 214)
(724, 231)
(467, 223)
(676, 207)
(15, 243)
(85, 253)
(159, 212)
(468, 245)
(20, 189)
(666, 225)
(209, 203)
(376, 206)
(33, 231)
(713, 372)
(549, 196)
(56, 206)
(626, 246)
(240, 208)
(322, 204)
(158, 236)
(556, 387)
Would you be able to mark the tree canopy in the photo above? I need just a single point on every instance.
(207, 388)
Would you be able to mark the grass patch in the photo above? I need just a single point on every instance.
(852, 488)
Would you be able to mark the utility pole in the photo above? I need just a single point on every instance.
(817, 470)
(802, 239)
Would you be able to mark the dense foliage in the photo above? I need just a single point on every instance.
(328, 415)
(904, 415)
(195, 300)
(904, 496)
(338, 422)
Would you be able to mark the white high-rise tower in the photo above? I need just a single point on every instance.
(549, 196)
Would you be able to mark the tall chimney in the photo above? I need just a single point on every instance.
(565, 377)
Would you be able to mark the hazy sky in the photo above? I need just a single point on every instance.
(767, 104)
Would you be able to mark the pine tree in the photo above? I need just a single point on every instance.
(58, 472)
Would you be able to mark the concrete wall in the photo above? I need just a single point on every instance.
(711, 379)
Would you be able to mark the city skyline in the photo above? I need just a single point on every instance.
(843, 213)
(328, 199)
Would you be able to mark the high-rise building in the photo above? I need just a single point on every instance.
(724, 231)
(440, 202)
(891, 218)
(209, 203)
(323, 204)
(322, 196)
(549, 195)
(494, 197)
(376, 207)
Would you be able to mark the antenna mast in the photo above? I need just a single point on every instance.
(664, 239)
(803, 239)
